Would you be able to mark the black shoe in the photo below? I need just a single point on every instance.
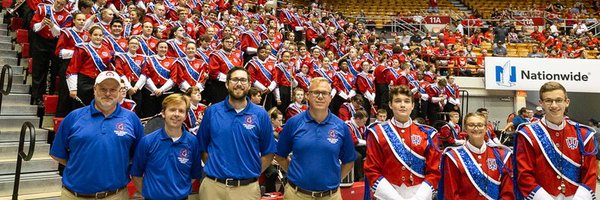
(37, 102)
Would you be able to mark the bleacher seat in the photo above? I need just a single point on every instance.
(22, 36)
(25, 50)
(16, 23)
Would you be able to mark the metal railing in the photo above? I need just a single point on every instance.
(464, 102)
(7, 73)
(27, 126)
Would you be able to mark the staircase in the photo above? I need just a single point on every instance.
(461, 6)
(39, 178)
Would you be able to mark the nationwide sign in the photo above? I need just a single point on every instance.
(577, 75)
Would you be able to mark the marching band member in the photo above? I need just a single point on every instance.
(88, 61)
(196, 111)
(365, 85)
(283, 75)
(177, 42)
(161, 75)
(220, 62)
(261, 68)
(65, 47)
(555, 156)
(191, 71)
(130, 66)
(403, 160)
(342, 83)
(475, 170)
(114, 41)
(450, 133)
(297, 106)
(147, 41)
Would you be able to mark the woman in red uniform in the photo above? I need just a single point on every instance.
(192, 71)
(89, 59)
(130, 66)
(475, 170)
(283, 75)
(366, 86)
(68, 39)
(161, 79)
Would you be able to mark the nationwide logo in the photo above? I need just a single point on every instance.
(506, 75)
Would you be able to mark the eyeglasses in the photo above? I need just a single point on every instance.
(475, 126)
(319, 94)
(550, 101)
(241, 81)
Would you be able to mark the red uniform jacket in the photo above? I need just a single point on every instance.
(294, 109)
(356, 131)
(176, 48)
(342, 82)
(193, 72)
(449, 135)
(61, 19)
(221, 61)
(456, 182)
(69, 38)
(533, 167)
(160, 70)
(303, 81)
(393, 77)
(283, 74)
(155, 20)
(379, 74)
(381, 160)
(261, 72)
(148, 45)
(364, 83)
(250, 39)
(118, 45)
(194, 116)
(132, 71)
(347, 111)
(82, 62)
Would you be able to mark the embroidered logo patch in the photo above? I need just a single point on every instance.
(415, 139)
(572, 143)
(491, 163)
(183, 156)
(104, 53)
(332, 138)
(167, 63)
(249, 124)
(138, 62)
(120, 129)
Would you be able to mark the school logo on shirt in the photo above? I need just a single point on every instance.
(249, 124)
(415, 139)
(572, 142)
(333, 137)
(167, 63)
(104, 54)
(183, 156)
(491, 163)
(138, 62)
(120, 129)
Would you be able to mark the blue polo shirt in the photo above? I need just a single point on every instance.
(235, 142)
(167, 167)
(317, 150)
(97, 148)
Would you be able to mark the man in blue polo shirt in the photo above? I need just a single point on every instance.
(320, 141)
(96, 144)
(167, 160)
(237, 142)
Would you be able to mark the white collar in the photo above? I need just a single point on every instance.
(353, 122)
(451, 124)
(475, 149)
(400, 124)
(95, 46)
(556, 127)
(131, 54)
(193, 107)
(161, 57)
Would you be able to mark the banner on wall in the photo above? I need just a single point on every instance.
(577, 75)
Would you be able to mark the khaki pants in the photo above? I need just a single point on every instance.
(293, 194)
(212, 190)
(66, 195)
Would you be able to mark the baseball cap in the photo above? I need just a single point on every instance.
(107, 75)
(539, 108)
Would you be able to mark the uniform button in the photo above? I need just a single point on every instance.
(403, 168)
(478, 157)
(557, 145)
(479, 164)
(403, 179)
(402, 131)
(557, 134)
(558, 177)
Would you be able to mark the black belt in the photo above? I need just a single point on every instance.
(97, 195)
(233, 182)
(313, 193)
